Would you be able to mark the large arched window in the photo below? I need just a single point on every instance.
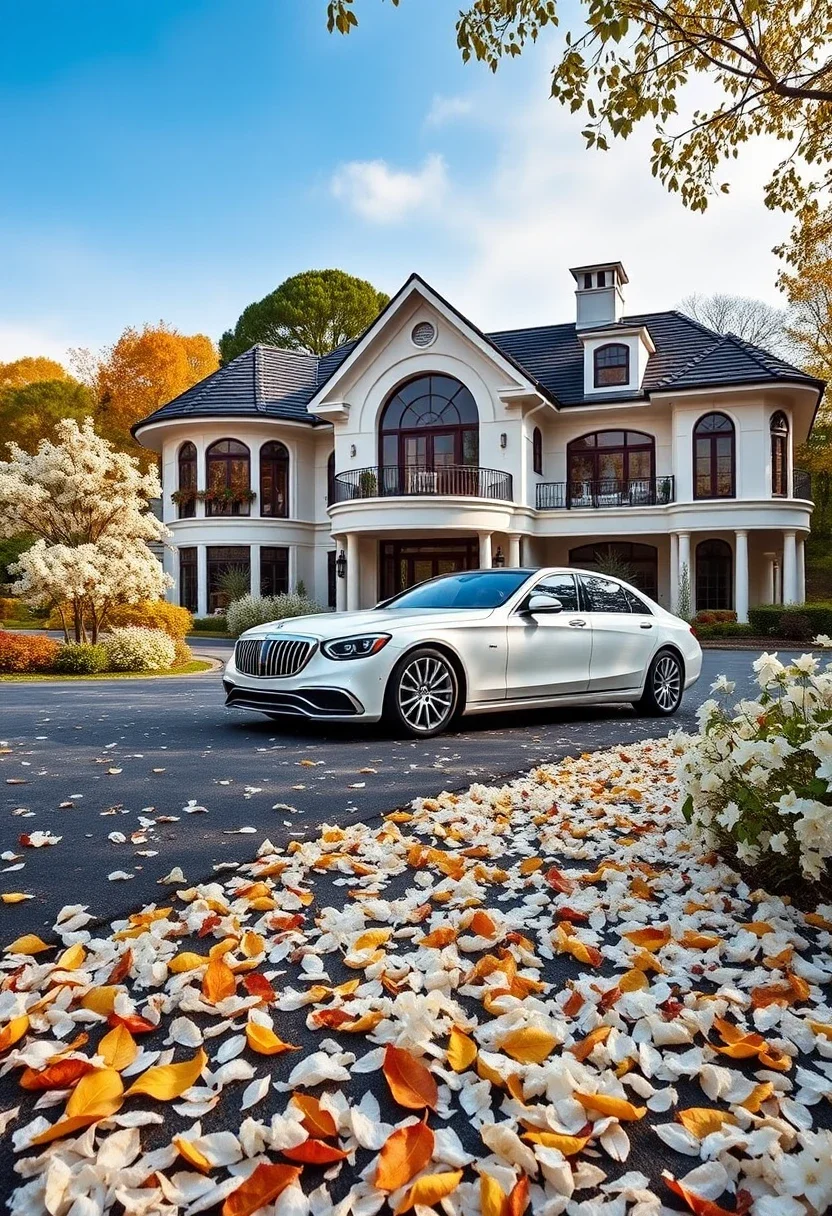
(608, 464)
(274, 480)
(228, 478)
(611, 365)
(780, 455)
(537, 451)
(186, 481)
(635, 563)
(430, 423)
(714, 575)
(713, 457)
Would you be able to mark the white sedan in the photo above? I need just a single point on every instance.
(470, 643)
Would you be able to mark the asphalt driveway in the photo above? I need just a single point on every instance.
(97, 762)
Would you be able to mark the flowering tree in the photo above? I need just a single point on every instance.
(87, 505)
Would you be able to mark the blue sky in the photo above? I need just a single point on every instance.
(177, 158)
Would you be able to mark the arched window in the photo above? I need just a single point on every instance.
(537, 451)
(714, 575)
(274, 480)
(713, 457)
(428, 424)
(780, 455)
(635, 563)
(612, 365)
(186, 482)
(606, 464)
(330, 479)
(227, 478)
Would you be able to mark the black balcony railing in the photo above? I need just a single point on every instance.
(801, 484)
(456, 480)
(608, 492)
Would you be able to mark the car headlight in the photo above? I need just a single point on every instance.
(360, 647)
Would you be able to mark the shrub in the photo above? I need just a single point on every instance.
(253, 610)
(134, 648)
(799, 621)
(715, 616)
(81, 658)
(20, 652)
(758, 777)
(723, 629)
(210, 624)
(176, 622)
(13, 609)
(182, 653)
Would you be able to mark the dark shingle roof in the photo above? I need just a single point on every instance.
(276, 383)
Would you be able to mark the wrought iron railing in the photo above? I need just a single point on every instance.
(608, 492)
(456, 480)
(801, 484)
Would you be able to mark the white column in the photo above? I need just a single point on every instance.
(340, 583)
(684, 560)
(254, 563)
(801, 570)
(352, 572)
(770, 587)
(674, 570)
(514, 549)
(789, 568)
(293, 568)
(741, 576)
(201, 580)
(485, 550)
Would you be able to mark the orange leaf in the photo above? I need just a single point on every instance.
(568, 1145)
(132, 1022)
(462, 1050)
(633, 981)
(122, 967)
(262, 1186)
(118, 1048)
(265, 1042)
(428, 1191)
(411, 1084)
(568, 943)
(698, 1205)
(530, 864)
(100, 1000)
(759, 1094)
(692, 940)
(620, 1108)
(518, 1200)
(586, 1046)
(317, 1121)
(96, 1096)
(218, 982)
(168, 1081)
(314, 1152)
(652, 938)
(256, 984)
(403, 1154)
(13, 1031)
(818, 921)
(574, 1004)
(437, 939)
(192, 1154)
(558, 880)
(482, 925)
(63, 1074)
(700, 1121)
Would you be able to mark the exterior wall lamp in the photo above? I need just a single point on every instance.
(352, 449)
(499, 560)
(341, 564)
(503, 439)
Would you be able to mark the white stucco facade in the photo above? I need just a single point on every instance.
(500, 508)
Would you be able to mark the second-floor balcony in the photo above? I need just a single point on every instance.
(392, 481)
(607, 492)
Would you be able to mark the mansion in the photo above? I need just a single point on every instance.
(426, 446)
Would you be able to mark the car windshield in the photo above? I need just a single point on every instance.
(472, 589)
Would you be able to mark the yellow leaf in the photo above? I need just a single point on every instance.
(191, 1154)
(186, 961)
(530, 864)
(528, 1045)
(759, 1094)
(100, 1000)
(265, 1042)
(824, 1028)
(586, 1046)
(252, 944)
(619, 1108)
(568, 1145)
(633, 981)
(700, 1121)
(169, 1081)
(428, 1191)
(817, 921)
(14, 897)
(652, 938)
(462, 1051)
(72, 958)
(29, 943)
(758, 927)
(118, 1048)
(370, 940)
(13, 1031)
(97, 1094)
(699, 941)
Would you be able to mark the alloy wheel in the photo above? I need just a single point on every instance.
(426, 694)
(667, 683)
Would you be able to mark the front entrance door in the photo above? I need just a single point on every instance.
(402, 563)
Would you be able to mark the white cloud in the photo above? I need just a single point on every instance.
(447, 109)
(384, 195)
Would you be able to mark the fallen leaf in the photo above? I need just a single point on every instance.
(191, 1154)
(700, 1121)
(13, 1031)
(528, 1045)
(265, 1042)
(428, 1191)
(169, 1081)
(63, 1074)
(462, 1050)
(118, 1048)
(568, 1145)
(317, 1121)
(698, 1205)
(218, 982)
(404, 1153)
(314, 1152)
(605, 1104)
(411, 1084)
(29, 943)
(96, 1096)
(262, 1186)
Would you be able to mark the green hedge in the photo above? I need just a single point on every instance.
(796, 622)
(723, 629)
(210, 624)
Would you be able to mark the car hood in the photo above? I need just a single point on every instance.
(344, 624)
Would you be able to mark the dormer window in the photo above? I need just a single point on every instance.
(587, 282)
(612, 365)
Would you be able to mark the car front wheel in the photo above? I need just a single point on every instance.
(663, 687)
(423, 693)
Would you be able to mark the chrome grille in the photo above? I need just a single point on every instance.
(272, 657)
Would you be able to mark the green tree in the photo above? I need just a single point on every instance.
(28, 414)
(623, 62)
(314, 311)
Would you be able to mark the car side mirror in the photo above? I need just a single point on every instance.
(541, 602)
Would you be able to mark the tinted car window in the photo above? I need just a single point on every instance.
(636, 604)
(563, 587)
(603, 595)
(473, 589)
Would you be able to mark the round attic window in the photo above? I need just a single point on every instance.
(423, 334)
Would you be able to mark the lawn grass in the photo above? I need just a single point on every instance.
(186, 669)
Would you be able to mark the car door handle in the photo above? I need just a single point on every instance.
(646, 624)
(580, 623)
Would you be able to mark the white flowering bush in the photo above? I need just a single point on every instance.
(757, 779)
(134, 648)
(251, 610)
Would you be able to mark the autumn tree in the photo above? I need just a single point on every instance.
(314, 311)
(144, 369)
(753, 320)
(31, 369)
(30, 413)
(767, 68)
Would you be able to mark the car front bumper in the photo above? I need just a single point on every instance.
(323, 690)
